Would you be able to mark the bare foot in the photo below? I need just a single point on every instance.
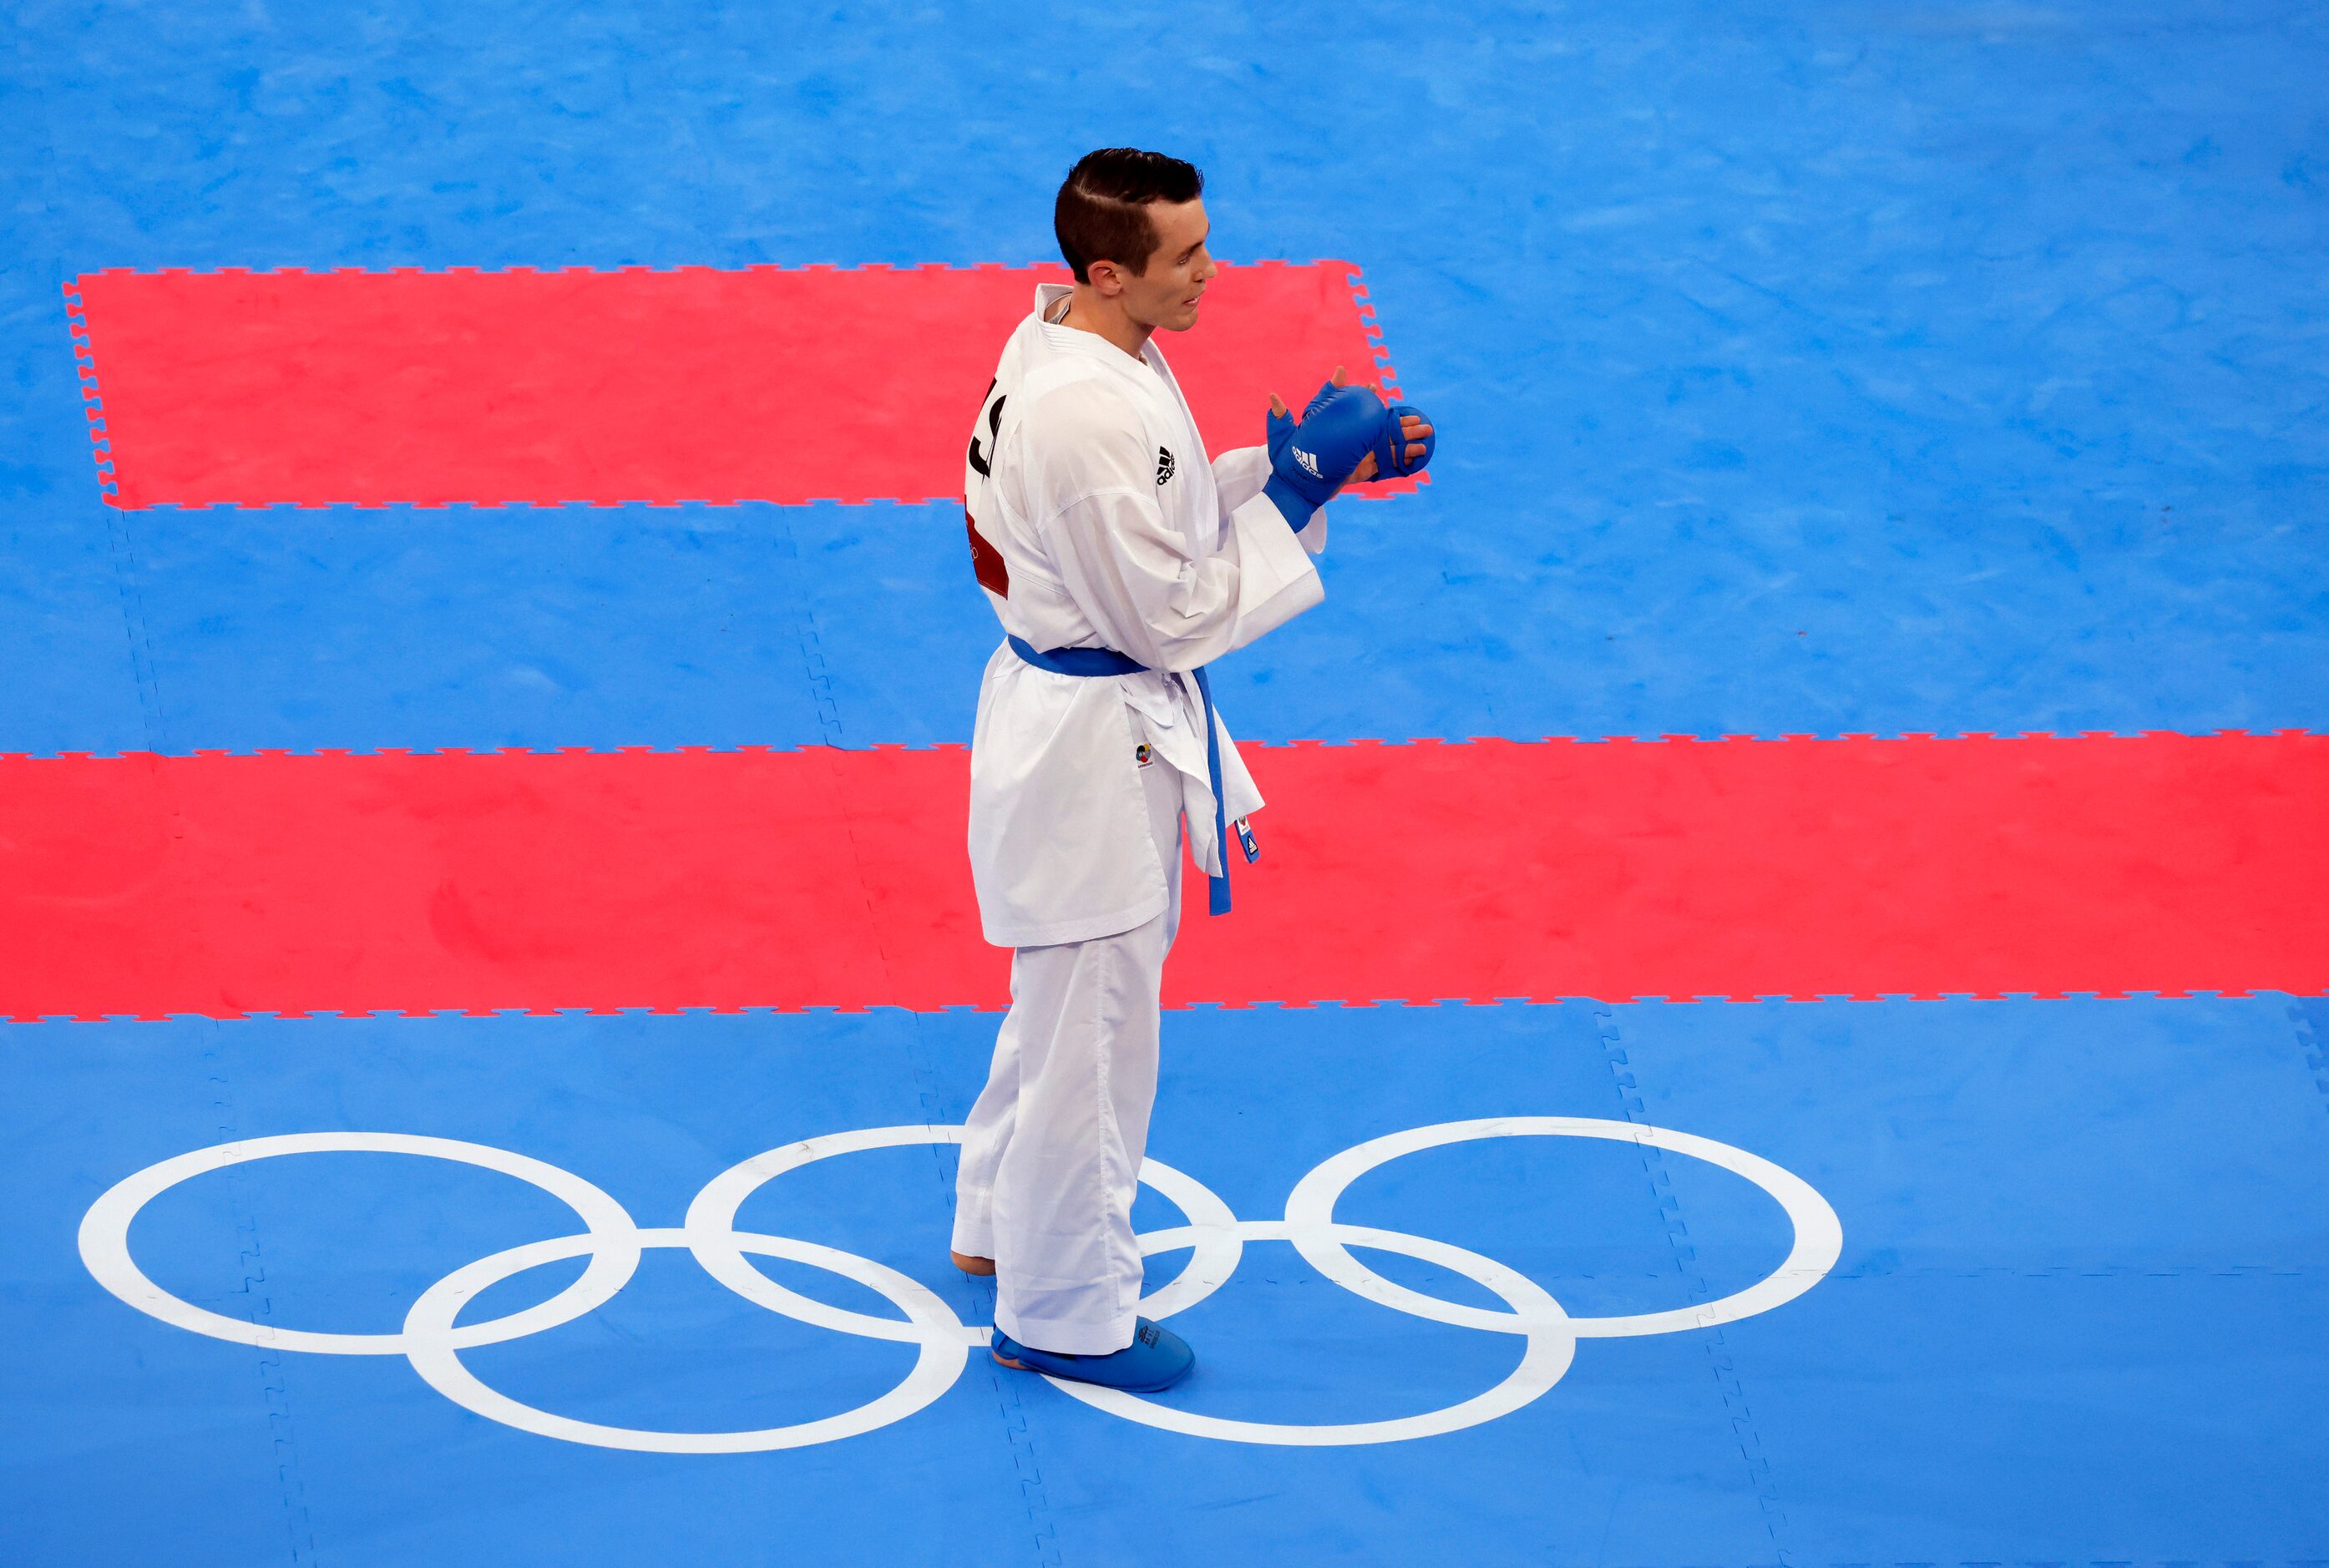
(970, 1266)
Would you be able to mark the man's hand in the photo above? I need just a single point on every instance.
(1414, 434)
(1311, 461)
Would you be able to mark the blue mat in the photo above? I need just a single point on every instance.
(2076, 1314)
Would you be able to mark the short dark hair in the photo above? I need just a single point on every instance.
(1102, 212)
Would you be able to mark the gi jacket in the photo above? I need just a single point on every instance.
(1096, 522)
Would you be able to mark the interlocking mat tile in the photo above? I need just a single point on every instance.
(221, 883)
(626, 385)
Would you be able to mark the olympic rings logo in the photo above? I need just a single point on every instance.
(433, 1336)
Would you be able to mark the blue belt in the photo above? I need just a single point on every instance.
(1108, 662)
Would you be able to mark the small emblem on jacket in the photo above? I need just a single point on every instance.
(1164, 465)
(1141, 755)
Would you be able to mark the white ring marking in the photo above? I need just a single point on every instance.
(430, 1325)
(1216, 1238)
(105, 1241)
(1818, 1232)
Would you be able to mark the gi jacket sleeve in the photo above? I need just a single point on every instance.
(1133, 571)
(1237, 477)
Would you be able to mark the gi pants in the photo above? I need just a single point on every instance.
(1050, 1156)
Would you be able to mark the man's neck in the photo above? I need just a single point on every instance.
(1089, 311)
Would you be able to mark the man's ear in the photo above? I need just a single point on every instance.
(1106, 276)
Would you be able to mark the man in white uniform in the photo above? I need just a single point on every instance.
(1120, 562)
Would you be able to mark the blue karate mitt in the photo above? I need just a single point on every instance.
(1390, 443)
(1309, 461)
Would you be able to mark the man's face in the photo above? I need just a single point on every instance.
(1164, 296)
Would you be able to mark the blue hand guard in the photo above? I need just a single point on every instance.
(1321, 398)
(1390, 444)
(1310, 461)
(1296, 510)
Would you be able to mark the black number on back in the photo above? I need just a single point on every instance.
(979, 459)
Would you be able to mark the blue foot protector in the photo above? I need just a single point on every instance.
(1156, 1360)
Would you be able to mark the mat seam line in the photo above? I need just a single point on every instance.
(632, 269)
(259, 1310)
(607, 503)
(789, 1010)
(274, 1381)
(100, 440)
(821, 674)
(1717, 1352)
(1381, 372)
(2316, 1051)
(145, 670)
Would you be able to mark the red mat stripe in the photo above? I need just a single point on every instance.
(696, 384)
(220, 885)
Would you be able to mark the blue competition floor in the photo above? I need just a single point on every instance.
(2077, 1315)
(1801, 367)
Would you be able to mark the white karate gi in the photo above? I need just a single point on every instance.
(1088, 486)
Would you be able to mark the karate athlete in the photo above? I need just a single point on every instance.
(1120, 562)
